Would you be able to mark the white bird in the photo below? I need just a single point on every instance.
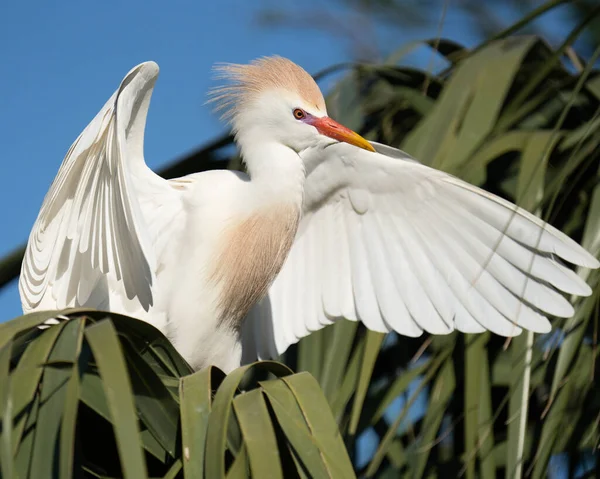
(366, 232)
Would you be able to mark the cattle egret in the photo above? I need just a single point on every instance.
(359, 230)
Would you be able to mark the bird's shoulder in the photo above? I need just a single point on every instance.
(209, 181)
(209, 188)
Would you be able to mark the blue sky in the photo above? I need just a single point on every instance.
(62, 60)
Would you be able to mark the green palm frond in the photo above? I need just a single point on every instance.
(108, 395)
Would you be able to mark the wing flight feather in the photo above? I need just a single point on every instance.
(403, 247)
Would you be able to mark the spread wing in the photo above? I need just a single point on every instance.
(401, 246)
(90, 245)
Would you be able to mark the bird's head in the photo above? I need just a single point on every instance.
(274, 100)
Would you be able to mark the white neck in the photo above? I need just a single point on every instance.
(276, 171)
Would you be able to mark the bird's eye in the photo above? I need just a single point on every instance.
(299, 114)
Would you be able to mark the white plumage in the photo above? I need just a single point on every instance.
(372, 235)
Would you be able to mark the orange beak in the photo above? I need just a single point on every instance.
(328, 127)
